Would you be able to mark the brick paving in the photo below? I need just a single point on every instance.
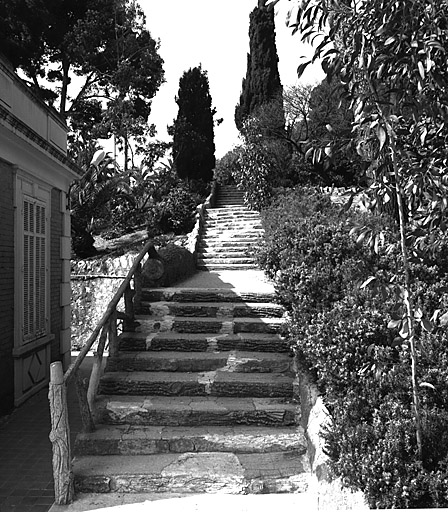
(26, 476)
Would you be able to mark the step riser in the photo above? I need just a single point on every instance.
(203, 295)
(215, 326)
(194, 418)
(226, 261)
(221, 268)
(212, 311)
(219, 389)
(199, 364)
(204, 344)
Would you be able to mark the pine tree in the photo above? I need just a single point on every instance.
(262, 82)
(192, 130)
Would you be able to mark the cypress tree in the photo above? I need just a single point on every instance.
(262, 82)
(192, 131)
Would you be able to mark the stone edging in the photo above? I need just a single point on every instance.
(329, 492)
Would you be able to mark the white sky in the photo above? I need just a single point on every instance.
(214, 33)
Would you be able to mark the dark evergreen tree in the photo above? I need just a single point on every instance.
(192, 130)
(262, 82)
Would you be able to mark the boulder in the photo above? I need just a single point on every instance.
(172, 264)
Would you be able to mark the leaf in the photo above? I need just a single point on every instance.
(394, 324)
(381, 134)
(444, 319)
(421, 69)
(404, 331)
(427, 325)
(301, 68)
(389, 40)
(367, 282)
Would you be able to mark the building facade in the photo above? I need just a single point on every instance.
(35, 177)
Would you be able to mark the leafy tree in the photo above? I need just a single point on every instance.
(392, 57)
(91, 198)
(102, 42)
(192, 130)
(262, 82)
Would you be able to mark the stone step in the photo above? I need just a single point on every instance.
(205, 295)
(230, 208)
(228, 216)
(177, 361)
(196, 411)
(219, 227)
(216, 383)
(147, 440)
(223, 252)
(225, 244)
(225, 261)
(211, 472)
(221, 267)
(151, 324)
(171, 341)
(212, 309)
(232, 236)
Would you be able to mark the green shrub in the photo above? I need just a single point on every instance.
(175, 213)
(341, 332)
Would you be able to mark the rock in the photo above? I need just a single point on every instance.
(172, 264)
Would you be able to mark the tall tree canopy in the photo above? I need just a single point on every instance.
(104, 43)
(262, 82)
(192, 130)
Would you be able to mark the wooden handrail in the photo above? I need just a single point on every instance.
(73, 368)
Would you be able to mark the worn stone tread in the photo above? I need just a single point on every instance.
(145, 440)
(193, 472)
(191, 411)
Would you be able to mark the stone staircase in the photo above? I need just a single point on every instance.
(231, 231)
(201, 397)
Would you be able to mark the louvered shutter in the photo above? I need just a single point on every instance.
(34, 269)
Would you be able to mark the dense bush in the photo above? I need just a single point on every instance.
(341, 332)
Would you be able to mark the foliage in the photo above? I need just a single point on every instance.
(90, 200)
(193, 135)
(392, 58)
(104, 42)
(343, 333)
(226, 167)
(262, 82)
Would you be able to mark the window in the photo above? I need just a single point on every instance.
(34, 269)
(33, 203)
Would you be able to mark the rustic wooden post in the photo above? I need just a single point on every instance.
(129, 308)
(60, 436)
(96, 369)
(88, 424)
(113, 335)
(138, 288)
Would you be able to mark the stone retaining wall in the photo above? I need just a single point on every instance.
(329, 492)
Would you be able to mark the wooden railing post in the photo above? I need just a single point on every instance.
(138, 288)
(60, 436)
(113, 335)
(96, 369)
(88, 424)
(129, 308)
